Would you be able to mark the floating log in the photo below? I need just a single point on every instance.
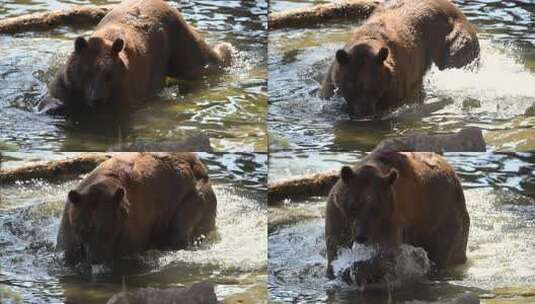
(318, 184)
(313, 15)
(52, 170)
(91, 15)
(467, 140)
(76, 15)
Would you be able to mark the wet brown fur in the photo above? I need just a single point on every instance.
(157, 43)
(168, 202)
(416, 33)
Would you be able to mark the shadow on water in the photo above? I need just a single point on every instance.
(499, 97)
(500, 200)
(230, 108)
(234, 261)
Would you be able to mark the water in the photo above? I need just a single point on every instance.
(410, 265)
(230, 108)
(499, 97)
(234, 261)
(500, 197)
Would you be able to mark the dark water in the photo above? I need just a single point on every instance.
(498, 98)
(31, 270)
(500, 195)
(230, 108)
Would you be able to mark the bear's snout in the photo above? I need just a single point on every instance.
(360, 233)
(95, 94)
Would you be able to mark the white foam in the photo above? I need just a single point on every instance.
(411, 264)
(500, 84)
(241, 225)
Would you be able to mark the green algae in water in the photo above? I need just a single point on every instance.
(7, 296)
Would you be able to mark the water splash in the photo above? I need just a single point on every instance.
(235, 250)
(410, 264)
(501, 87)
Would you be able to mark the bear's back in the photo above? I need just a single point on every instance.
(427, 186)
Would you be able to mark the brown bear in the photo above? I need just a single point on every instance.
(383, 64)
(126, 59)
(134, 202)
(389, 198)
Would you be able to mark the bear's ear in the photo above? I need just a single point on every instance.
(346, 173)
(117, 46)
(74, 197)
(342, 57)
(382, 54)
(79, 44)
(392, 176)
(119, 195)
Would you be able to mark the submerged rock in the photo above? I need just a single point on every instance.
(467, 298)
(200, 293)
(467, 140)
(196, 142)
(368, 267)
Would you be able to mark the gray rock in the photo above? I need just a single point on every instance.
(467, 298)
(200, 293)
(466, 140)
(196, 142)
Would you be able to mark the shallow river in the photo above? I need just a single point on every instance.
(30, 269)
(230, 109)
(500, 195)
(499, 97)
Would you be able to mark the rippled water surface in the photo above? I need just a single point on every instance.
(499, 97)
(230, 109)
(234, 261)
(500, 196)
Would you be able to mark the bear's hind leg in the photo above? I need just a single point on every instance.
(447, 244)
(200, 61)
(195, 216)
(461, 48)
(224, 53)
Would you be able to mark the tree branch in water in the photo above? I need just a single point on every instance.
(310, 16)
(76, 15)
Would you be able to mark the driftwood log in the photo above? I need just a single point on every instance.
(313, 15)
(318, 184)
(467, 140)
(52, 170)
(76, 15)
(91, 15)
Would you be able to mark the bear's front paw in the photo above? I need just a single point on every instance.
(363, 273)
(51, 105)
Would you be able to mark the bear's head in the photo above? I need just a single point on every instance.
(366, 199)
(97, 214)
(95, 69)
(361, 76)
